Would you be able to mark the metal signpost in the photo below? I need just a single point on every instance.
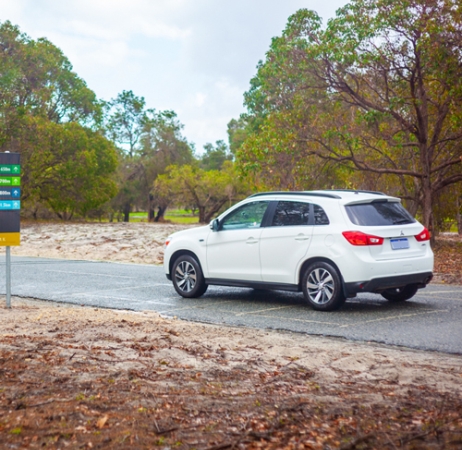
(10, 205)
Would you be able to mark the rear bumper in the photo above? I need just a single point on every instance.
(381, 284)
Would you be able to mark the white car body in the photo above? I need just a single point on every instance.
(275, 257)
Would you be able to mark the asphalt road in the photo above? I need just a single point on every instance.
(432, 320)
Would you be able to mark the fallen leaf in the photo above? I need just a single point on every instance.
(102, 421)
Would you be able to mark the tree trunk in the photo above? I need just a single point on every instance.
(160, 213)
(126, 211)
(208, 217)
(458, 216)
(202, 214)
(427, 208)
(213, 210)
(151, 211)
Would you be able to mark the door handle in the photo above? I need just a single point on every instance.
(301, 237)
(251, 241)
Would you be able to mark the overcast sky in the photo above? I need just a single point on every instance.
(193, 56)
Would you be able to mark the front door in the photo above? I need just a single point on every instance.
(285, 243)
(233, 252)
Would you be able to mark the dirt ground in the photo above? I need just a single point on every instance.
(80, 377)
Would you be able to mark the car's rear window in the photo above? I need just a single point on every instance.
(378, 213)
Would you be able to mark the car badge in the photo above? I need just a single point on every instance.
(402, 233)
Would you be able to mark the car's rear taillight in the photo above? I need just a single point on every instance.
(359, 238)
(424, 235)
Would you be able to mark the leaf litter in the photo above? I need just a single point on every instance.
(81, 377)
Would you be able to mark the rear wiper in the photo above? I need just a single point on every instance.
(396, 222)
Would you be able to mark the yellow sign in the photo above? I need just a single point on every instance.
(10, 239)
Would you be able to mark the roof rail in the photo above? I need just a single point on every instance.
(358, 191)
(307, 193)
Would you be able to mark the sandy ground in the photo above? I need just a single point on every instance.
(122, 242)
(333, 360)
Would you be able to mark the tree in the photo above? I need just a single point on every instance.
(214, 157)
(78, 178)
(37, 79)
(149, 141)
(237, 133)
(208, 191)
(126, 119)
(265, 139)
(162, 145)
(50, 117)
(378, 90)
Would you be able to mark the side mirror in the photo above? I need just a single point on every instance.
(214, 224)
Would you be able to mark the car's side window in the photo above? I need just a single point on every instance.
(291, 214)
(249, 215)
(320, 217)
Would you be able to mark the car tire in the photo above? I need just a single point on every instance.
(188, 279)
(400, 294)
(322, 287)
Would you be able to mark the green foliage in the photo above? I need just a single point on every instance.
(50, 117)
(82, 175)
(162, 145)
(154, 142)
(205, 190)
(214, 157)
(126, 117)
(37, 79)
(67, 167)
(237, 133)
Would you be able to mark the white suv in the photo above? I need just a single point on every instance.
(329, 244)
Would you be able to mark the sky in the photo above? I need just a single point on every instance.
(195, 57)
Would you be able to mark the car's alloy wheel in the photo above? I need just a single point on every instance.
(400, 294)
(322, 287)
(187, 277)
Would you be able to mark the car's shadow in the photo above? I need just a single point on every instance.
(364, 303)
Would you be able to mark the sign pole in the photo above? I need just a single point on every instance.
(8, 277)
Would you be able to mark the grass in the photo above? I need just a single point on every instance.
(138, 216)
(181, 216)
(177, 218)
